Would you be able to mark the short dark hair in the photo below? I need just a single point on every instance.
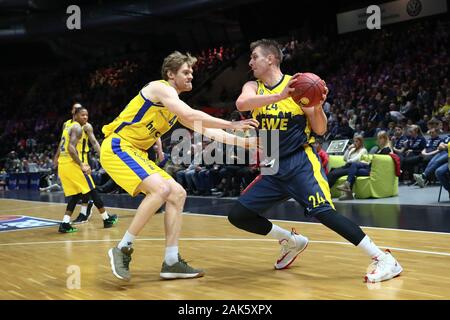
(270, 47)
(79, 109)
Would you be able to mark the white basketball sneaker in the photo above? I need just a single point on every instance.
(384, 268)
(290, 249)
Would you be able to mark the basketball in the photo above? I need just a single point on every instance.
(308, 91)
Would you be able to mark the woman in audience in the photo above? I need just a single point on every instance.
(352, 154)
(362, 167)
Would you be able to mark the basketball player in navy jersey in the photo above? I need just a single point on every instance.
(300, 175)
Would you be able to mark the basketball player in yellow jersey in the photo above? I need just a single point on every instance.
(151, 113)
(75, 174)
(300, 174)
(83, 150)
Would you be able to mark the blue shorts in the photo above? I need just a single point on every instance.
(300, 176)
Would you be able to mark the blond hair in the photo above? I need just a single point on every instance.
(174, 61)
(383, 134)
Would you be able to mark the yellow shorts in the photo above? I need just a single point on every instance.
(73, 180)
(127, 165)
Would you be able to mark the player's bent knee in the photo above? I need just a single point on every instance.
(163, 191)
(239, 214)
(177, 194)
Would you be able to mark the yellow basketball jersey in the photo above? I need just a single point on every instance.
(82, 145)
(142, 122)
(286, 117)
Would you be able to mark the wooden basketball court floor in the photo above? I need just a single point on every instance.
(40, 263)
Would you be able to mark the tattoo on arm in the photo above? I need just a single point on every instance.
(75, 136)
(90, 132)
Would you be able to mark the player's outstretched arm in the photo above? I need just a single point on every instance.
(222, 136)
(169, 98)
(90, 132)
(249, 99)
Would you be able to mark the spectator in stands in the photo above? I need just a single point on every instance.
(436, 162)
(446, 107)
(399, 141)
(431, 148)
(362, 167)
(443, 174)
(322, 154)
(352, 154)
(412, 155)
(3, 179)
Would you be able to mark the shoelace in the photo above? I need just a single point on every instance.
(126, 260)
(379, 264)
(284, 246)
(185, 264)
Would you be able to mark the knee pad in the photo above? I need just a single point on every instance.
(73, 202)
(248, 220)
(96, 198)
(85, 198)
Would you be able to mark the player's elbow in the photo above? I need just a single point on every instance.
(241, 104)
(320, 131)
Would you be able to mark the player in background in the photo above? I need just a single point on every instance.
(75, 174)
(83, 150)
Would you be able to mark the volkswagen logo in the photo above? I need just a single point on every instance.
(414, 7)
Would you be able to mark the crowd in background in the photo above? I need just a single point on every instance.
(378, 82)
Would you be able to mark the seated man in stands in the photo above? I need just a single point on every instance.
(431, 148)
(399, 141)
(443, 174)
(362, 167)
(436, 162)
(412, 155)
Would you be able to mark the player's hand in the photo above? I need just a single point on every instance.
(85, 168)
(244, 124)
(289, 89)
(324, 96)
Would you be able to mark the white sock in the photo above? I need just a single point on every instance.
(66, 219)
(105, 215)
(83, 210)
(370, 248)
(127, 240)
(279, 233)
(171, 256)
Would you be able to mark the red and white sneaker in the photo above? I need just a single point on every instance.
(384, 268)
(290, 249)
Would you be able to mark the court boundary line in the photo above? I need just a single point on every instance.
(213, 239)
(278, 220)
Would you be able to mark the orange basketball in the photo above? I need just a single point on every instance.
(308, 91)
